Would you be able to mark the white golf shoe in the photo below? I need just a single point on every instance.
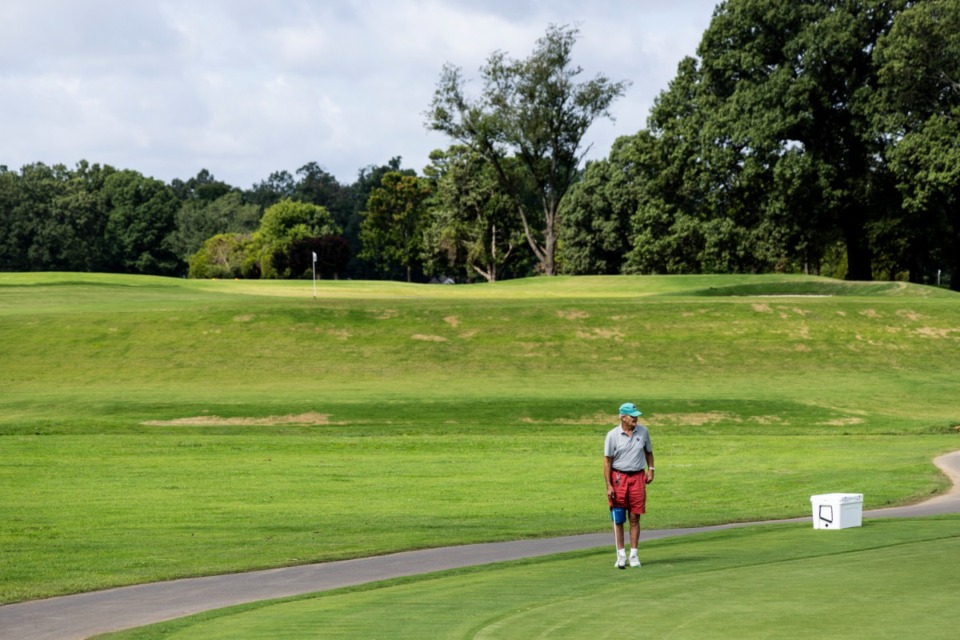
(634, 561)
(621, 561)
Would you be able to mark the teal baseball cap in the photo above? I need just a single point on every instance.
(630, 409)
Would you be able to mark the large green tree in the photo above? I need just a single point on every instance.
(12, 251)
(535, 111)
(280, 185)
(32, 224)
(765, 142)
(204, 186)
(798, 79)
(285, 223)
(199, 219)
(918, 110)
(472, 226)
(392, 227)
(696, 197)
(81, 216)
(596, 234)
(318, 186)
(141, 219)
(356, 196)
(226, 255)
(54, 219)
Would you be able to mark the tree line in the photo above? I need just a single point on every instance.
(98, 218)
(820, 136)
(816, 136)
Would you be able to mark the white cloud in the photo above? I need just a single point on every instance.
(246, 87)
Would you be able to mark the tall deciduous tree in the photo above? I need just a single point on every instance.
(54, 218)
(357, 195)
(535, 110)
(12, 240)
(283, 224)
(34, 223)
(392, 227)
(798, 77)
(198, 220)
(226, 255)
(918, 109)
(766, 146)
(473, 226)
(78, 242)
(596, 235)
(319, 187)
(142, 217)
(696, 197)
(279, 186)
(203, 186)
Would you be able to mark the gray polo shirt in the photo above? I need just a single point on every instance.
(628, 453)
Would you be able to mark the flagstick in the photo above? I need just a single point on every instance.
(314, 275)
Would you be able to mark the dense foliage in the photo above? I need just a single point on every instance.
(98, 218)
(816, 136)
(819, 136)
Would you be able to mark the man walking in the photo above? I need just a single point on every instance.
(627, 469)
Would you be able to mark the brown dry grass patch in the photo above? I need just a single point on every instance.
(426, 338)
(934, 332)
(910, 315)
(267, 421)
(693, 419)
(598, 418)
(601, 334)
(842, 422)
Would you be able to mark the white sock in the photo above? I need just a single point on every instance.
(621, 552)
(633, 553)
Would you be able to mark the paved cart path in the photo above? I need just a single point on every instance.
(86, 614)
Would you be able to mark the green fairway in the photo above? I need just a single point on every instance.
(889, 579)
(155, 428)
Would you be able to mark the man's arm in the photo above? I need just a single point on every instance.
(607, 475)
(649, 473)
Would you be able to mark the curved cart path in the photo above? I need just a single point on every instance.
(86, 614)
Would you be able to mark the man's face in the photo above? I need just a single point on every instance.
(628, 422)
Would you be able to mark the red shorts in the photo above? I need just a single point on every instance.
(630, 491)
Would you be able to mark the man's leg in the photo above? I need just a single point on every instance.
(634, 539)
(638, 501)
(618, 536)
(621, 562)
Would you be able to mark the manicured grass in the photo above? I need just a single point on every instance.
(87, 512)
(120, 354)
(888, 579)
(439, 415)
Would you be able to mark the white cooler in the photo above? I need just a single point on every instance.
(837, 510)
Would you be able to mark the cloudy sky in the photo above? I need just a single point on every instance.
(244, 88)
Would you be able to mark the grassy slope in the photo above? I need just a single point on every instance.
(117, 349)
(463, 394)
